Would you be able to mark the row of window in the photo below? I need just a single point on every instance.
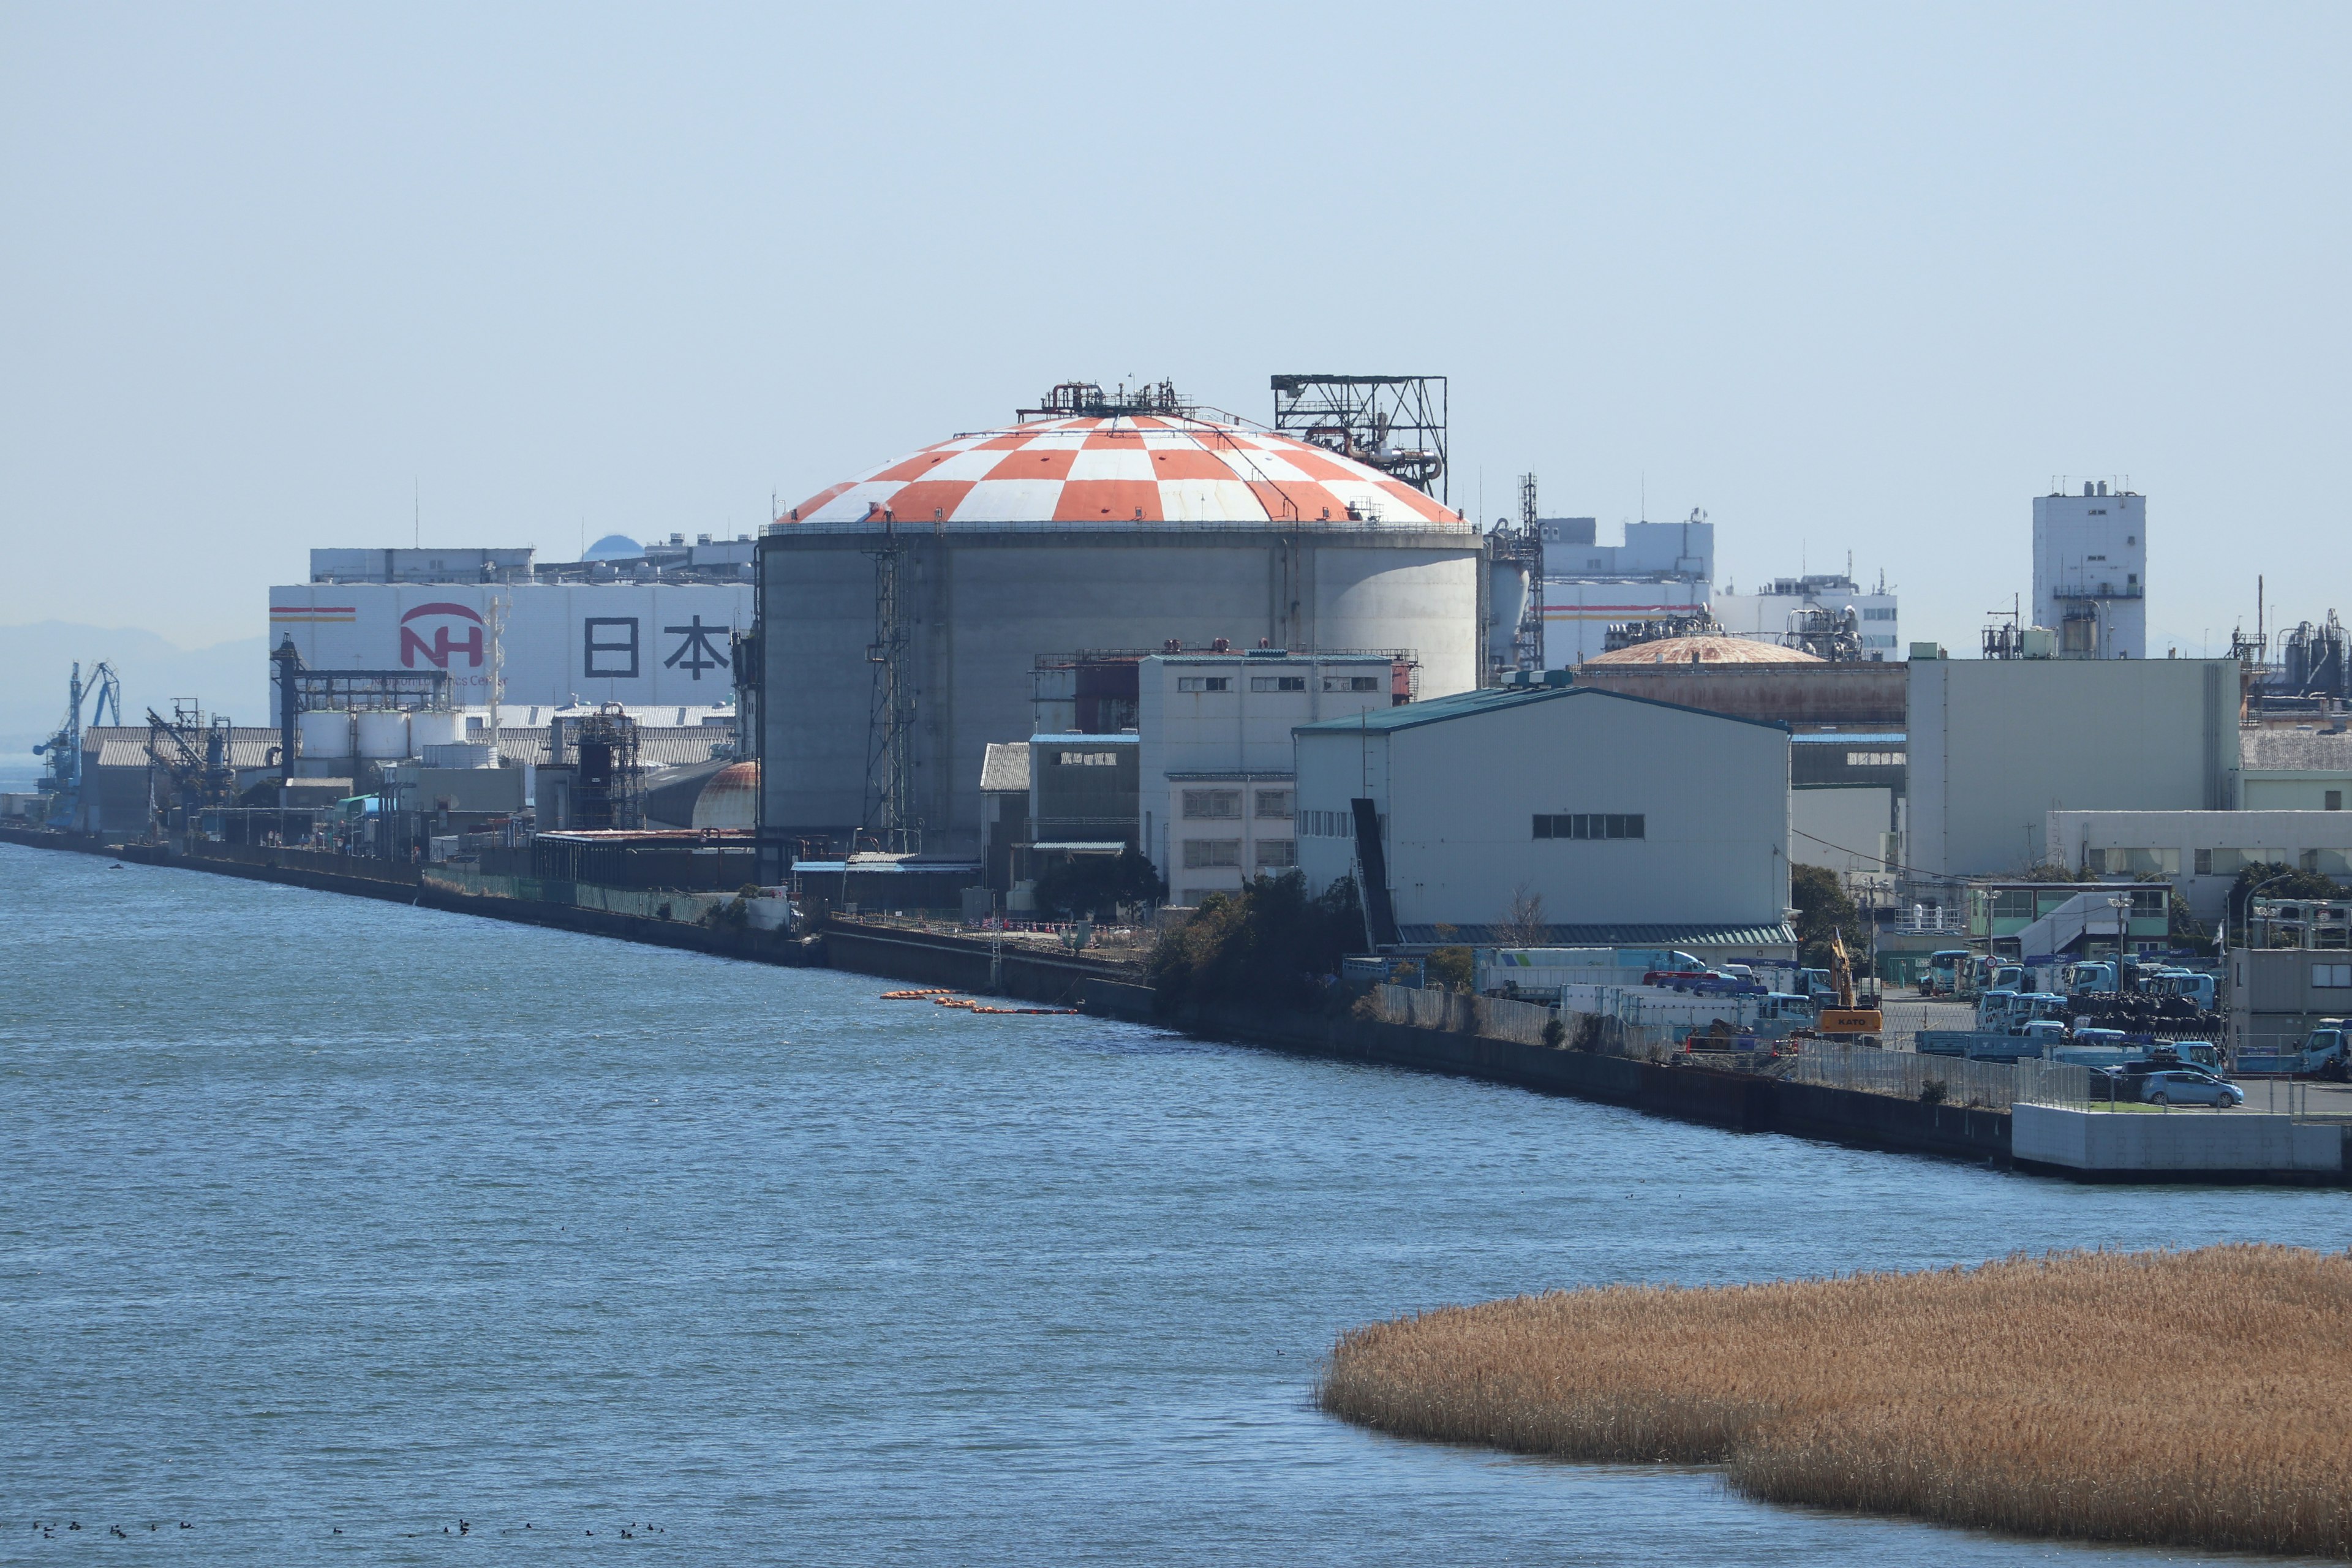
(1336, 824)
(1591, 824)
(1278, 683)
(1879, 613)
(1085, 759)
(1215, 804)
(2212, 862)
(1873, 759)
(2331, 976)
(1272, 853)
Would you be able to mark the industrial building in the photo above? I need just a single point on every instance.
(2090, 571)
(2201, 853)
(1632, 821)
(649, 629)
(903, 611)
(2293, 974)
(1662, 570)
(2299, 769)
(1215, 756)
(1996, 745)
(1825, 614)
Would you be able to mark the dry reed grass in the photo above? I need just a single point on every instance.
(2190, 1398)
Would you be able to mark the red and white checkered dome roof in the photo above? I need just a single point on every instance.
(1131, 469)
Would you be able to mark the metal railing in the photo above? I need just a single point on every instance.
(1950, 1080)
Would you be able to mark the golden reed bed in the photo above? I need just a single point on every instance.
(2195, 1398)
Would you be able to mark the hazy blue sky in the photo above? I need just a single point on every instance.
(1856, 279)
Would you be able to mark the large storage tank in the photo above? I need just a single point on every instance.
(382, 735)
(435, 728)
(1118, 531)
(324, 735)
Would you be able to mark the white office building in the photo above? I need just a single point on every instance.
(2201, 852)
(2090, 571)
(1632, 821)
(1214, 758)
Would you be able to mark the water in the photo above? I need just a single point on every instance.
(318, 1213)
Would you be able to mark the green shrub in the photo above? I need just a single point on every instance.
(1555, 1033)
(1449, 967)
(1269, 945)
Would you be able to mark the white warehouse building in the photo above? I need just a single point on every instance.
(1634, 821)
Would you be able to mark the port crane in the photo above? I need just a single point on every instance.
(62, 783)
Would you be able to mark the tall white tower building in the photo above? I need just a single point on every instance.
(2090, 572)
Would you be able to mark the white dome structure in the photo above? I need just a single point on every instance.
(1121, 530)
(1142, 468)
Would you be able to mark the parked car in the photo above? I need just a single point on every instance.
(2176, 1087)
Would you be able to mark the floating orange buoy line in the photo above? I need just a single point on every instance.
(945, 996)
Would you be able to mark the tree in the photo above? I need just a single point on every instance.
(2053, 872)
(1269, 945)
(1523, 923)
(1096, 885)
(1823, 907)
(2285, 882)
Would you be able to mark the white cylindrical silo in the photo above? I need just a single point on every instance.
(324, 735)
(432, 728)
(382, 735)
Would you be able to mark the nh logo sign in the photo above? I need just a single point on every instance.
(437, 651)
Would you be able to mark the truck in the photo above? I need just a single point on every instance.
(1946, 973)
(2321, 1053)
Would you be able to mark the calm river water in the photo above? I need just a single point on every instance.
(318, 1214)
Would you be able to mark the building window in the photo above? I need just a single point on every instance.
(1278, 683)
(1592, 824)
(2331, 976)
(1274, 803)
(1873, 759)
(1351, 683)
(2133, 862)
(2335, 800)
(1277, 854)
(1085, 759)
(1211, 803)
(1201, 853)
(2204, 862)
(1883, 614)
(1205, 683)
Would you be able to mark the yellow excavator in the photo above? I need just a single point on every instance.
(1847, 1023)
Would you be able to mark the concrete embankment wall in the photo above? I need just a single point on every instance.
(1746, 1102)
(2180, 1145)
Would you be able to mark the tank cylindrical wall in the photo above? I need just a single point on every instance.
(1506, 603)
(326, 732)
(981, 607)
(431, 728)
(382, 735)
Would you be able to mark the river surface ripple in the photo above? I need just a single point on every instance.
(320, 1214)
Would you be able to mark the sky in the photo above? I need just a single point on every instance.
(1852, 278)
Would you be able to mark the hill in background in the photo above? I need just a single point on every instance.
(230, 678)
